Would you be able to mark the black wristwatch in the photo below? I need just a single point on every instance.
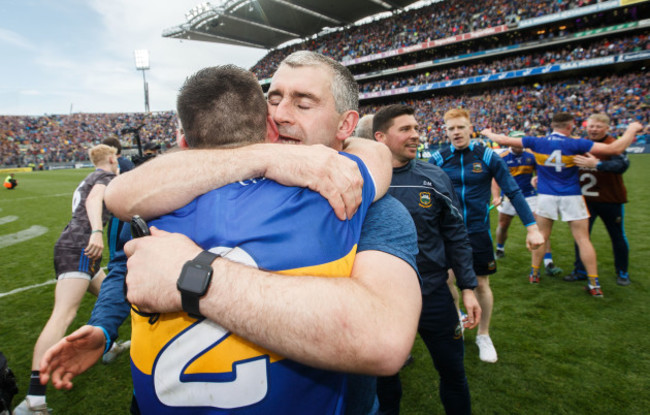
(194, 281)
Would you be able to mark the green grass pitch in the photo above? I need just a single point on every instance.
(560, 351)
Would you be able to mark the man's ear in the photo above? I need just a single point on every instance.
(347, 124)
(380, 137)
(272, 133)
(182, 143)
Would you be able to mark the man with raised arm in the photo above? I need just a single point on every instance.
(559, 186)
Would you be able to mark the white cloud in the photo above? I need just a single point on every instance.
(94, 69)
(15, 39)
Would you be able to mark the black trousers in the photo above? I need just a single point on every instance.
(440, 330)
(613, 215)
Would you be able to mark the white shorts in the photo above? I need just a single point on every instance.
(570, 208)
(77, 275)
(508, 209)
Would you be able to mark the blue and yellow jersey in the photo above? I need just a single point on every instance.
(558, 173)
(181, 365)
(521, 168)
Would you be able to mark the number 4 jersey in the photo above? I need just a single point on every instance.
(185, 366)
(558, 174)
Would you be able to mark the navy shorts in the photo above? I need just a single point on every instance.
(483, 253)
(74, 260)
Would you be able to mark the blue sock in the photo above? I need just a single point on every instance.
(500, 247)
(548, 258)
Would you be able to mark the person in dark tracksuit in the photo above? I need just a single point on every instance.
(471, 168)
(429, 196)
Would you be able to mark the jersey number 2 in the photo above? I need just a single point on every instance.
(249, 385)
(590, 183)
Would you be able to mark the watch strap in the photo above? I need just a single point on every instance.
(190, 302)
(206, 257)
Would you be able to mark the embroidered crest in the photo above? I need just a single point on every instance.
(425, 199)
(477, 167)
(458, 333)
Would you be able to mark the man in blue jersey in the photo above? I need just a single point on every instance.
(522, 165)
(559, 187)
(471, 168)
(286, 235)
(429, 196)
(343, 323)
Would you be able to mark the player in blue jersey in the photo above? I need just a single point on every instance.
(471, 168)
(559, 187)
(286, 235)
(375, 335)
(522, 165)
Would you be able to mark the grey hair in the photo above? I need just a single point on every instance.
(364, 127)
(344, 88)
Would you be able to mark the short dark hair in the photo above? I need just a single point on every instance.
(384, 117)
(113, 142)
(562, 120)
(222, 106)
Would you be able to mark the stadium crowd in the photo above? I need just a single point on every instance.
(436, 21)
(65, 138)
(529, 108)
(568, 53)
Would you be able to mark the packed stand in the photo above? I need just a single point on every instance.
(624, 98)
(66, 138)
(569, 53)
(436, 21)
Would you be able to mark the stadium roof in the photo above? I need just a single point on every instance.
(269, 23)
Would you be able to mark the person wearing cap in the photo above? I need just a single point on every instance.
(522, 165)
(151, 148)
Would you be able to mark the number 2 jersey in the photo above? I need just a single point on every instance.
(558, 173)
(605, 182)
(181, 365)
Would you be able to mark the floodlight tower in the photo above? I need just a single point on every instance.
(142, 64)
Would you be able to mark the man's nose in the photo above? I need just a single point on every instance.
(282, 113)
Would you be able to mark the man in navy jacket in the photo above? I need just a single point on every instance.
(427, 193)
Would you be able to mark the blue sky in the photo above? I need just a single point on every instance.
(63, 55)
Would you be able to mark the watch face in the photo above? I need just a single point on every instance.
(194, 278)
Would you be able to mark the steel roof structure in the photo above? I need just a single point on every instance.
(267, 24)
